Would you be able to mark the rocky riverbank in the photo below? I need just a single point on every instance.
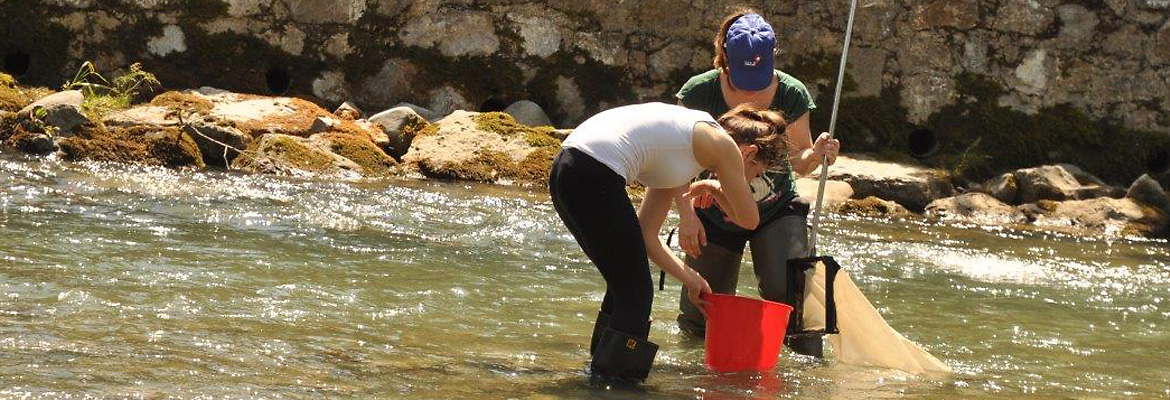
(211, 128)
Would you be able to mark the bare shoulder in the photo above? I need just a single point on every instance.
(708, 141)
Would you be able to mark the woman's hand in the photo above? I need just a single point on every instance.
(826, 146)
(696, 288)
(705, 192)
(692, 237)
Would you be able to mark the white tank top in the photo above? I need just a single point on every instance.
(647, 143)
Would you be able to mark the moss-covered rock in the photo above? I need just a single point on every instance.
(483, 147)
(291, 155)
(912, 186)
(13, 98)
(7, 124)
(872, 207)
(360, 150)
(975, 207)
(1103, 215)
(31, 142)
(148, 145)
(261, 115)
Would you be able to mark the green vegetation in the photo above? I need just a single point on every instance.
(103, 95)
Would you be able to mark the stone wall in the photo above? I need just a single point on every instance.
(915, 65)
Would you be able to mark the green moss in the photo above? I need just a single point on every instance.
(13, 99)
(484, 167)
(7, 124)
(361, 151)
(162, 146)
(427, 130)
(288, 152)
(504, 125)
(490, 166)
(870, 207)
(7, 80)
(535, 167)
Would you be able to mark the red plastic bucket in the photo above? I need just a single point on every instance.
(744, 334)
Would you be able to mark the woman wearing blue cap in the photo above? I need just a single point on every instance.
(663, 147)
(744, 74)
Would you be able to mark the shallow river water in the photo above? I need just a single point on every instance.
(139, 282)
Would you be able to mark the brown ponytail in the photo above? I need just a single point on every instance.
(720, 61)
(764, 128)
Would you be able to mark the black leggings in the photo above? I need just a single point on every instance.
(591, 199)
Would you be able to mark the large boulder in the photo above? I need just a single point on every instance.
(360, 150)
(1056, 182)
(1002, 188)
(483, 147)
(1148, 191)
(976, 207)
(64, 117)
(292, 155)
(260, 115)
(1103, 214)
(911, 186)
(427, 114)
(400, 125)
(71, 97)
(148, 145)
(836, 192)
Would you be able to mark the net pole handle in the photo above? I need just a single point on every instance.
(812, 240)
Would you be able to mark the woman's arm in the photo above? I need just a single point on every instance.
(692, 237)
(804, 156)
(651, 216)
(716, 151)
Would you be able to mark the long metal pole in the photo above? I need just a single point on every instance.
(812, 239)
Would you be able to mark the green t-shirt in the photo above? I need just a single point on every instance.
(775, 187)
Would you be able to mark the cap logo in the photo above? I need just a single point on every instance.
(753, 62)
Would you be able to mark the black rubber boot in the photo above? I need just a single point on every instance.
(622, 357)
(599, 326)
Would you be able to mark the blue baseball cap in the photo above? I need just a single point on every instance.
(750, 46)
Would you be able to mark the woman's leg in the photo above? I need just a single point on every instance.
(780, 240)
(591, 199)
(772, 246)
